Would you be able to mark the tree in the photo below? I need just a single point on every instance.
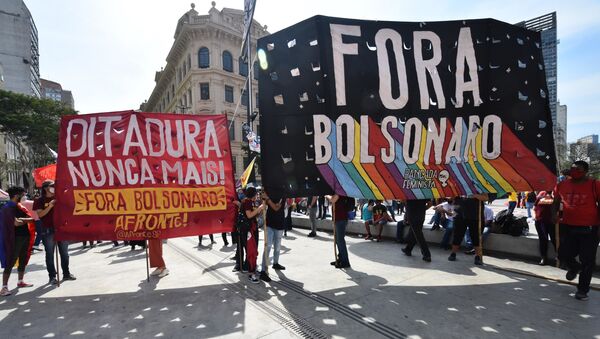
(30, 124)
(587, 152)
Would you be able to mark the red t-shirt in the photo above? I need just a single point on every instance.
(41, 204)
(248, 205)
(579, 202)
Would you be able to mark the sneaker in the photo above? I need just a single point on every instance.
(368, 237)
(235, 269)
(163, 273)
(542, 262)
(339, 265)
(5, 292)
(226, 244)
(434, 227)
(407, 252)
(69, 277)
(379, 239)
(264, 277)
(427, 258)
(478, 261)
(234, 258)
(278, 267)
(333, 263)
(53, 281)
(470, 252)
(571, 274)
(312, 234)
(24, 284)
(452, 257)
(581, 296)
(253, 279)
(156, 271)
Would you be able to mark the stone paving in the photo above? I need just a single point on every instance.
(384, 295)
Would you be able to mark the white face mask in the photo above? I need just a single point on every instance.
(24, 198)
(51, 190)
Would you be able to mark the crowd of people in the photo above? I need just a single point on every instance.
(573, 205)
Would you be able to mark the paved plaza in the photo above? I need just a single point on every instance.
(384, 295)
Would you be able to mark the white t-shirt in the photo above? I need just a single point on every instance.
(488, 214)
(448, 208)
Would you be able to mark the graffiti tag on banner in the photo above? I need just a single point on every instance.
(127, 175)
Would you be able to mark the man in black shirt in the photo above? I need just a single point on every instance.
(468, 213)
(275, 226)
(415, 216)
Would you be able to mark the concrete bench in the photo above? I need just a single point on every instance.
(523, 246)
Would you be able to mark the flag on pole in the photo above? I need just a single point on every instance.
(246, 174)
(249, 6)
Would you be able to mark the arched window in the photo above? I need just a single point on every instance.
(203, 58)
(243, 67)
(227, 61)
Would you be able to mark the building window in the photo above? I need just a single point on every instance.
(245, 97)
(204, 91)
(255, 70)
(203, 58)
(227, 61)
(231, 130)
(229, 94)
(243, 67)
(190, 96)
(189, 62)
(256, 102)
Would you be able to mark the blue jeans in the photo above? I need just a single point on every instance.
(529, 206)
(448, 225)
(38, 233)
(63, 250)
(484, 235)
(435, 218)
(273, 239)
(340, 241)
(400, 231)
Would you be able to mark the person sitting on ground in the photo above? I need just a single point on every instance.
(367, 217)
(380, 218)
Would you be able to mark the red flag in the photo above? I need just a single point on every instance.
(44, 173)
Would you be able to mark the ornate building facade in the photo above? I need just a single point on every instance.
(205, 73)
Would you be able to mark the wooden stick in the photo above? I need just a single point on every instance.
(265, 254)
(57, 265)
(147, 262)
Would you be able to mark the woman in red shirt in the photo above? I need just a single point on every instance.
(544, 223)
(248, 206)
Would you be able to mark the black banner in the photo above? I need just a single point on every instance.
(380, 110)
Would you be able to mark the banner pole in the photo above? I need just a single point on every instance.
(265, 254)
(57, 265)
(479, 229)
(335, 254)
(147, 262)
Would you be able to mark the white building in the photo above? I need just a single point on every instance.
(204, 73)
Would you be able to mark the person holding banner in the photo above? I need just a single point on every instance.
(579, 196)
(15, 238)
(312, 215)
(251, 213)
(341, 206)
(275, 225)
(415, 215)
(468, 214)
(155, 252)
(44, 207)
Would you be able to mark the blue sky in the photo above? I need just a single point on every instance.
(107, 51)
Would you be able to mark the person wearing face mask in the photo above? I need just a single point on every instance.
(15, 238)
(44, 207)
(579, 197)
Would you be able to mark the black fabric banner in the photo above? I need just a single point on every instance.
(404, 110)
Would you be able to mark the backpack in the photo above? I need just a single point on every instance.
(242, 223)
(518, 227)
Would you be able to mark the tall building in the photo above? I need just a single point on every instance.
(561, 132)
(205, 74)
(19, 52)
(54, 91)
(20, 73)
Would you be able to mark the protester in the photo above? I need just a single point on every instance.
(251, 213)
(155, 252)
(469, 212)
(488, 215)
(44, 207)
(400, 225)
(512, 201)
(446, 212)
(380, 218)
(275, 221)
(290, 204)
(579, 196)
(342, 205)
(367, 217)
(322, 208)
(15, 237)
(530, 199)
(544, 223)
(312, 215)
(212, 239)
(415, 215)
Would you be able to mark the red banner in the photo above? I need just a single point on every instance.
(44, 173)
(127, 175)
